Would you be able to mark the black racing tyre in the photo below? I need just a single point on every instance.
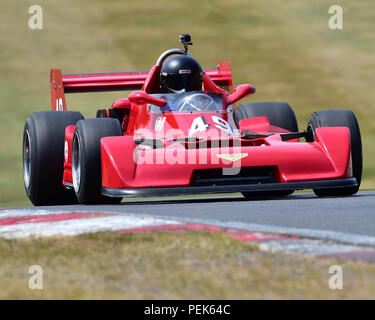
(341, 118)
(43, 157)
(279, 114)
(86, 158)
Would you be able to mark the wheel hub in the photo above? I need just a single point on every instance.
(26, 159)
(76, 164)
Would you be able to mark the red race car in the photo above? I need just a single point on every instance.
(180, 133)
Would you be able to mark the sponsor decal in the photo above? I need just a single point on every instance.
(184, 71)
(232, 157)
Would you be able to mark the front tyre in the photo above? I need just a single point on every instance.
(279, 114)
(341, 118)
(43, 157)
(86, 158)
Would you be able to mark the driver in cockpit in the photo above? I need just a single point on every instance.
(180, 74)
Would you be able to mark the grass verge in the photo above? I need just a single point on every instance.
(162, 265)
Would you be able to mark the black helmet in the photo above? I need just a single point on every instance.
(181, 73)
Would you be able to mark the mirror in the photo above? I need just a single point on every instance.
(242, 91)
(141, 97)
(121, 104)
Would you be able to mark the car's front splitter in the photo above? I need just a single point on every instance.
(174, 191)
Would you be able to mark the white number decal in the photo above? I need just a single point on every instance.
(199, 124)
(222, 125)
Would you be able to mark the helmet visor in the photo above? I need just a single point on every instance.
(184, 81)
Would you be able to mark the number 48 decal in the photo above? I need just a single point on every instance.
(200, 124)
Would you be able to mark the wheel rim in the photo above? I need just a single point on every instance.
(26, 159)
(76, 164)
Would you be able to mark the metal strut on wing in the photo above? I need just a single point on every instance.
(247, 134)
(308, 135)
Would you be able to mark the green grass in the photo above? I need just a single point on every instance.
(162, 265)
(284, 48)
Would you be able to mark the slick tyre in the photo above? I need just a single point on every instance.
(341, 118)
(43, 157)
(279, 114)
(86, 158)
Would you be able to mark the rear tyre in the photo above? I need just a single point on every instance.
(341, 118)
(279, 114)
(86, 158)
(43, 157)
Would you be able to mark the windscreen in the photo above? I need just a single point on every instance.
(192, 101)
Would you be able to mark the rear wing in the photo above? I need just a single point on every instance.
(121, 81)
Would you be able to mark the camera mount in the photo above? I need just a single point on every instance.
(185, 40)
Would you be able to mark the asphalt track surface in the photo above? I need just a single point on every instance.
(343, 219)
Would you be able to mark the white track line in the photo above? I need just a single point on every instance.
(25, 212)
(78, 226)
(122, 221)
(327, 235)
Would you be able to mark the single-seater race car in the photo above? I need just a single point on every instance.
(179, 133)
